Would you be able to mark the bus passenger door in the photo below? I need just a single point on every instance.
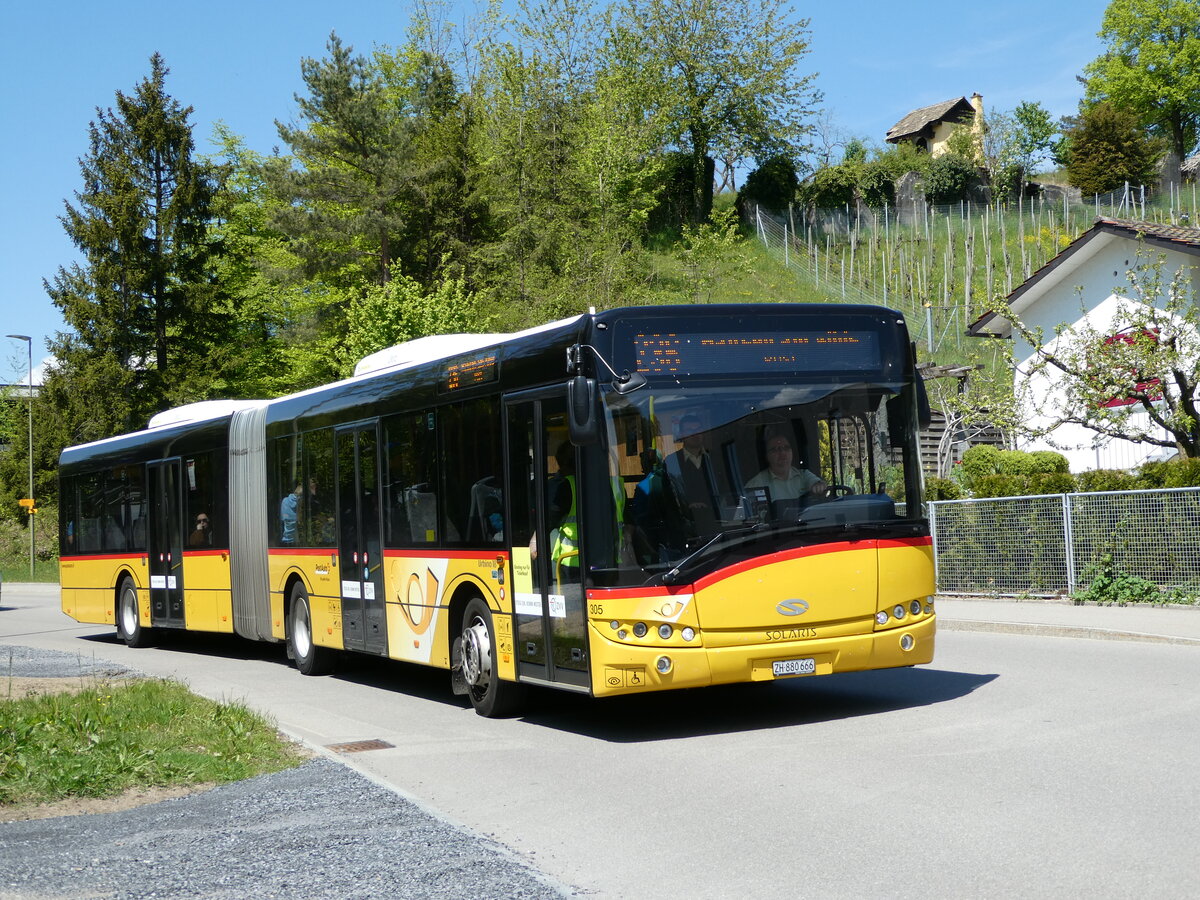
(360, 550)
(166, 544)
(547, 556)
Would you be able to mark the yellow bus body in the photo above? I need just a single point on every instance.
(815, 603)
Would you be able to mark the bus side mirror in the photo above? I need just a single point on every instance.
(583, 403)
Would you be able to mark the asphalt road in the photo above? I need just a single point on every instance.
(1016, 764)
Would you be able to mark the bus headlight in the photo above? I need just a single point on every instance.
(881, 617)
(665, 632)
(640, 629)
(663, 664)
(907, 642)
(915, 607)
(688, 633)
(898, 611)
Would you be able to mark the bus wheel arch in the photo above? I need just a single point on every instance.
(310, 659)
(474, 659)
(128, 614)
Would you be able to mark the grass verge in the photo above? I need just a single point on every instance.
(111, 736)
(16, 571)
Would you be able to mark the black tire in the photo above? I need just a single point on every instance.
(310, 659)
(491, 696)
(129, 622)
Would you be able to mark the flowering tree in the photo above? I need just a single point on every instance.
(1133, 375)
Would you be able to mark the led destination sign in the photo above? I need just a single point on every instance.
(470, 373)
(756, 352)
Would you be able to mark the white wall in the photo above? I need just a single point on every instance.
(1098, 268)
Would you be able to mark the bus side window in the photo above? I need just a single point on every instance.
(68, 515)
(471, 442)
(89, 532)
(286, 472)
(319, 529)
(410, 477)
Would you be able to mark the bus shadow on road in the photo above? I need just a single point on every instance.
(751, 707)
(664, 715)
(369, 671)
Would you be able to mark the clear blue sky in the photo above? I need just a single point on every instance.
(240, 62)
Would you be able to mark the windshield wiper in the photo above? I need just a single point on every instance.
(672, 577)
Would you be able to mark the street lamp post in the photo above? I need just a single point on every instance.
(29, 342)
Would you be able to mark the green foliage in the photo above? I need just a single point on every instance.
(832, 187)
(977, 462)
(401, 311)
(942, 489)
(1034, 137)
(712, 252)
(147, 326)
(773, 185)
(990, 472)
(1106, 480)
(1107, 149)
(1108, 585)
(111, 737)
(950, 178)
(1048, 462)
(1149, 67)
(722, 78)
(1172, 474)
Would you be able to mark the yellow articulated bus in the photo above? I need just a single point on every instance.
(633, 500)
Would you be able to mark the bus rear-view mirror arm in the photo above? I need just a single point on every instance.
(624, 383)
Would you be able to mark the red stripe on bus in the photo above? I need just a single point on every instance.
(757, 562)
(205, 553)
(445, 554)
(141, 554)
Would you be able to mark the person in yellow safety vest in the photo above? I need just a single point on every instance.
(562, 516)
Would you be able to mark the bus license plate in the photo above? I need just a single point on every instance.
(794, 667)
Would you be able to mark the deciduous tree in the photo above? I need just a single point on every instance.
(1151, 67)
(721, 77)
(1135, 377)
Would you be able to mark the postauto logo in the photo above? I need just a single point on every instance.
(792, 607)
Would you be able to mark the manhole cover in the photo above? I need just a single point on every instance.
(360, 746)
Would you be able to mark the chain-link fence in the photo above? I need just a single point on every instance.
(1050, 544)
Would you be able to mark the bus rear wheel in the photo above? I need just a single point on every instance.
(491, 696)
(129, 622)
(310, 659)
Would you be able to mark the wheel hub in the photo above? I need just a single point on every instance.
(476, 654)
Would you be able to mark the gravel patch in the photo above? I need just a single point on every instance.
(320, 830)
(28, 662)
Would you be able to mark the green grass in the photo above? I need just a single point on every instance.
(17, 570)
(113, 736)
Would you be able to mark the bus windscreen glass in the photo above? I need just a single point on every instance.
(754, 353)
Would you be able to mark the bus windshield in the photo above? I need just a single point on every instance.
(710, 471)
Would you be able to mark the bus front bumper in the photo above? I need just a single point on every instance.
(623, 668)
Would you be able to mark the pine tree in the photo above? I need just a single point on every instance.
(145, 319)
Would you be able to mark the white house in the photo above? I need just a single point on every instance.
(1081, 286)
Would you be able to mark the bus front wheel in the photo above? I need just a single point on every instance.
(310, 659)
(491, 696)
(129, 622)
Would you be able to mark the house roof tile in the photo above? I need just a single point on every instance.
(938, 112)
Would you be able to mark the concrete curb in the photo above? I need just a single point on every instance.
(1072, 631)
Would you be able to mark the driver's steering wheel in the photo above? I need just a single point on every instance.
(838, 490)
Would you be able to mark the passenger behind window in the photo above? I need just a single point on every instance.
(201, 535)
(289, 515)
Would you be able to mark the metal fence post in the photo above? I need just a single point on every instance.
(1069, 539)
(933, 534)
